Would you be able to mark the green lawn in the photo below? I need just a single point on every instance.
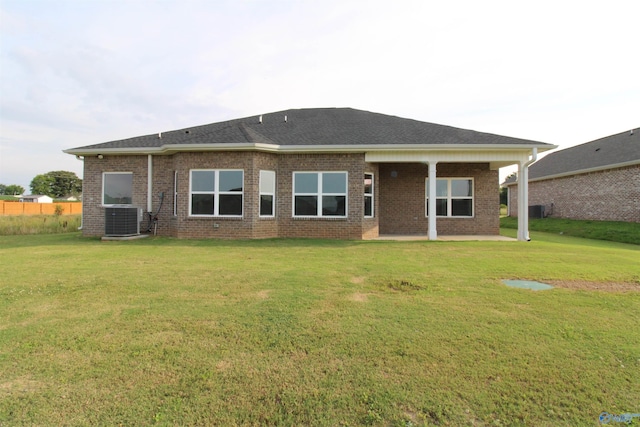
(613, 231)
(312, 332)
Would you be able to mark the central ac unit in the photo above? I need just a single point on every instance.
(122, 221)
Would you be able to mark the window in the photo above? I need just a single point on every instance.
(175, 193)
(117, 188)
(321, 194)
(368, 195)
(216, 192)
(267, 193)
(454, 197)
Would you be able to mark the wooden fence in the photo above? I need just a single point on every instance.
(22, 208)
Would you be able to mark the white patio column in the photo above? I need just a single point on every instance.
(523, 197)
(523, 202)
(431, 204)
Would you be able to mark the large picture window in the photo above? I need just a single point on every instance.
(216, 192)
(454, 197)
(368, 195)
(320, 194)
(267, 193)
(117, 188)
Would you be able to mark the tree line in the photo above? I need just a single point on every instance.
(55, 184)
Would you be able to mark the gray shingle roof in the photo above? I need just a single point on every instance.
(315, 127)
(613, 150)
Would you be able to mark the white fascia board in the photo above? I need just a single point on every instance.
(414, 147)
(172, 148)
(332, 148)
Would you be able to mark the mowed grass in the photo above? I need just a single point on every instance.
(613, 231)
(310, 332)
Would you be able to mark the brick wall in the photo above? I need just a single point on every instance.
(403, 199)
(611, 195)
(399, 203)
(163, 169)
(337, 228)
(92, 210)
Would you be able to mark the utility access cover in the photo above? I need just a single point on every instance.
(527, 284)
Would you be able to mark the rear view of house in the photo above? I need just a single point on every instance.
(598, 180)
(325, 172)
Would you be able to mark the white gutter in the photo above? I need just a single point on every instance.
(331, 148)
(523, 197)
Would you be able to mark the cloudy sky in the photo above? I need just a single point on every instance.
(80, 72)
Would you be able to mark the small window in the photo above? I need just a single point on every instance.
(320, 194)
(117, 188)
(216, 192)
(368, 195)
(454, 197)
(267, 193)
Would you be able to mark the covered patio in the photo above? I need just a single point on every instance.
(407, 178)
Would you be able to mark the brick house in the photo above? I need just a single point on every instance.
(322, 173)
(598, 180)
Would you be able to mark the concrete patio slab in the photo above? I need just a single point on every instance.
(411, 237)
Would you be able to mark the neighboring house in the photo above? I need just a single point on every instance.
(36, 198)
(323, 173)
(598, 180)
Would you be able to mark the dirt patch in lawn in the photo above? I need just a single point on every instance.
(264, 294)
(20, 385)
(595, 286)
(358, 297)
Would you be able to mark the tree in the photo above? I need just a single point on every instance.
(11, 190)
(56, 184)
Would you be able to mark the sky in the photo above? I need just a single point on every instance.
(81, 72)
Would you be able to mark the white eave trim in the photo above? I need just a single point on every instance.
(331, 148)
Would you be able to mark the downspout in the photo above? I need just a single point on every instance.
(523, 197)
(81, 158)
(149, 183)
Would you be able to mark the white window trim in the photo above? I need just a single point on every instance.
(371, 196)
(319, 195)
(104, 174)
(449, 197)
(216, 193)
(266, 193)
